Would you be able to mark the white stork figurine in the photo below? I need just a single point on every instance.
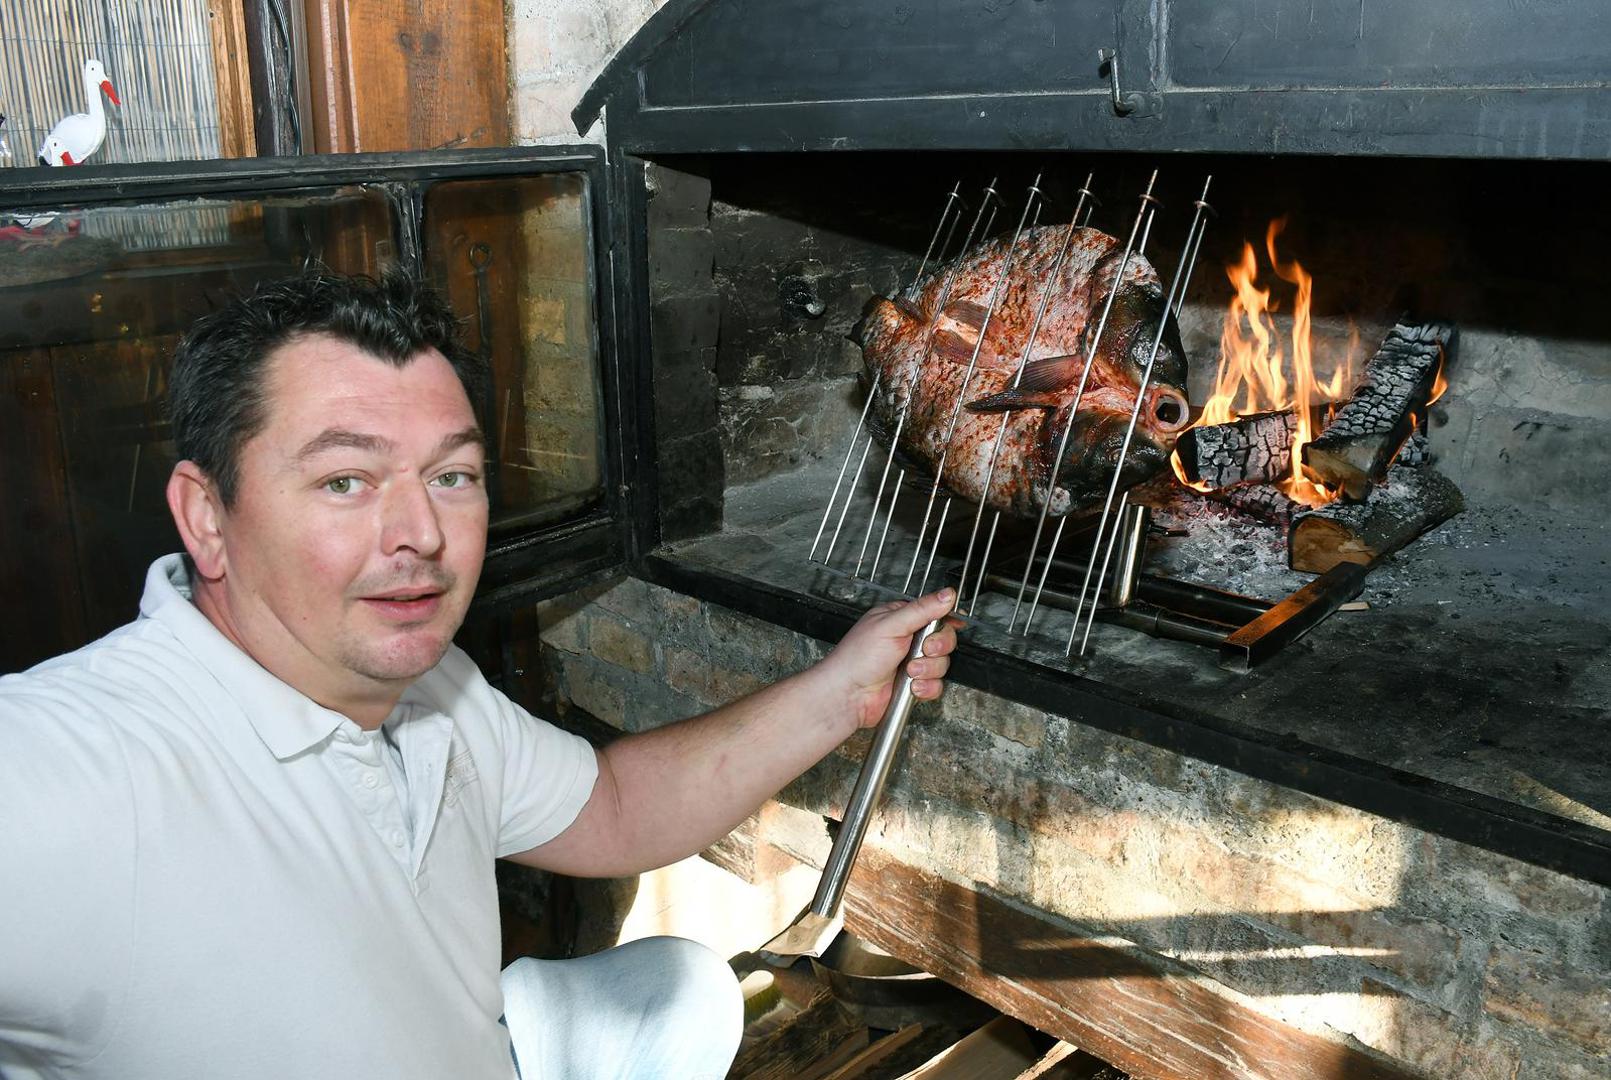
(80, 134)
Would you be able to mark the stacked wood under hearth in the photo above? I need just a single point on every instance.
(1372, 451)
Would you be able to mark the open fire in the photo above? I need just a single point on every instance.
(1261, 372)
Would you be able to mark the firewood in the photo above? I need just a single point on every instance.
(1257, 449)
(1417, 449)
(1000, 1048)
(1411, 502)
(815, 1041)
(1266, 502)
(1250, 449)
(1354, 451)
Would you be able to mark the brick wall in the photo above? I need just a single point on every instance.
(1450, 959)
(556, 49)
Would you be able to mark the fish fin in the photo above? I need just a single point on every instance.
(909, 309)
(1040, 388)
(967, 313)
(952, 346)
(1013, 400)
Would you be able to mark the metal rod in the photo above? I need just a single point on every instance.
(986, 203)
(869, 785)
(1293, 617)
(850, 495)
(938, 529)
(1032, 206)
(872, 394)
(1050, 552)
(855, 437)
(984, 560)
(953, 199)
(1143, 216)
(900, 481)
(1177, 288)
(1017, 379)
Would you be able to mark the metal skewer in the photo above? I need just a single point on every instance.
(986, 203)
(954, 199)
(1032, 207)
(1177, 292)
(1017, 379)
(1144, 215)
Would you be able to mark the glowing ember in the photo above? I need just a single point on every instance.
(1261, 372)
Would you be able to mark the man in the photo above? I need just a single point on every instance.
(252, 833)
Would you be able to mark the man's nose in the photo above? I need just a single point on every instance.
(409, 519)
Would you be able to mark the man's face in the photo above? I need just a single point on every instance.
(359, 522)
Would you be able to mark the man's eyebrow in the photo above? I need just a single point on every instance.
(471, 434)
(339, 438)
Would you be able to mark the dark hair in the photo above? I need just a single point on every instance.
(216, 398)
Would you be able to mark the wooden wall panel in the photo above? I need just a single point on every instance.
(236, 134)
(414, 76)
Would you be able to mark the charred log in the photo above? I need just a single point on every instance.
(1417, 449)
(1264, 501)
(1411, 502)
(1251, 449)
(1354, 452)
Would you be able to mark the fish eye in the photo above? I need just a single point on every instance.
(1169, 411)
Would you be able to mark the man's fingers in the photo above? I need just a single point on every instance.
(912, 617)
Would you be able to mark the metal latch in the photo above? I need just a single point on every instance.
(1125, 102)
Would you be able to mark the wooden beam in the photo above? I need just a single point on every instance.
(1138, 1011)
(237, 135)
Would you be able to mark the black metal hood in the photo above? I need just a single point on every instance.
(1473, 79)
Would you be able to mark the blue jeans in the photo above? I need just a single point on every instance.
(659, 1008)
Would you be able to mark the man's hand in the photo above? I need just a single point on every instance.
(863, 666)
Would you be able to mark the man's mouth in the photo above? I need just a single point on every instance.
(405, 605)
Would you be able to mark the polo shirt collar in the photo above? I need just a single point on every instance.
(288, 721)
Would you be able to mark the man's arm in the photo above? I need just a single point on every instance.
(665, 794)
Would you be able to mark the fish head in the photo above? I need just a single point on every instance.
(1138, 356)
(1092, 454)
(1140, 346)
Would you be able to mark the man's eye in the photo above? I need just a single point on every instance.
(454, 480)
(342, 485)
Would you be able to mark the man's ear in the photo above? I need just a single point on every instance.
(199, 513)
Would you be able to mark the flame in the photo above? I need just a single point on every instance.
(1261, 372)
(1441, 383)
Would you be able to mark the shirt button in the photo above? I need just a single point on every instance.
(396, 838)
(370, 781)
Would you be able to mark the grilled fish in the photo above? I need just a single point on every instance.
(920, 357)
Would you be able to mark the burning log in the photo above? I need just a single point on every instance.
(1353, 453)
(1252, 449)
(1266, 502)
(1257, 449)
(1411, 502)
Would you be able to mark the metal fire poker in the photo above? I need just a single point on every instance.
(1177, 294)
(815, 929)
(812, 933)
(1141, 227)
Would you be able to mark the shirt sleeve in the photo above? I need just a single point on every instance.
(543, 776)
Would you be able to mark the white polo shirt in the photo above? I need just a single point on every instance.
(204, 874)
